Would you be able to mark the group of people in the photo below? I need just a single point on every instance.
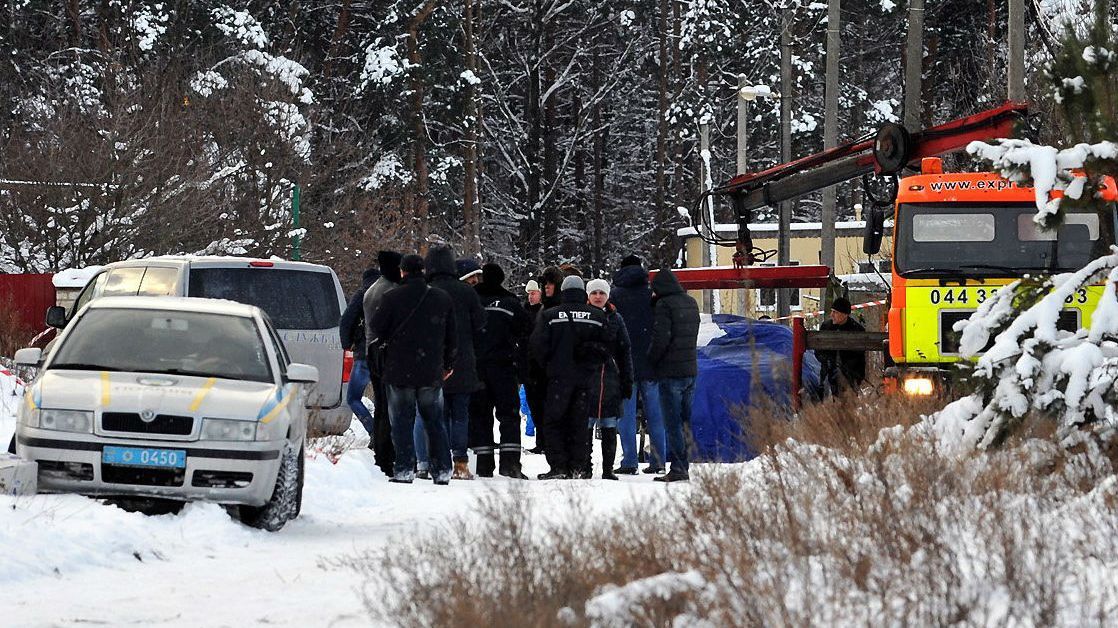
(446, 347)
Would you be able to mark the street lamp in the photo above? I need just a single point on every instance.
(746, 94)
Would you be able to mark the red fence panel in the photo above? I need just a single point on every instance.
(29, 296)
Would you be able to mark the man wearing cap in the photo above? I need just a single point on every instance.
(416, 326)
(841, 369)
(468, 271)
(570, 341)
(507, 326)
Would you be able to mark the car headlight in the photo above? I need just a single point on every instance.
(228, 429)
(919, 386)
(270, 431)
(65, 420)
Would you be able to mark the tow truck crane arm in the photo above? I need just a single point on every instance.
(887, 153)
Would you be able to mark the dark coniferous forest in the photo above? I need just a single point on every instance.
(527, 131)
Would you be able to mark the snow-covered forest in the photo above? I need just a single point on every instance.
(532, 130)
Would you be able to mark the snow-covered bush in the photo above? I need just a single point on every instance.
(879, 531)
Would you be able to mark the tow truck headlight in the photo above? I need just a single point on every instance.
(228, 429)
(64, 420)
(919, 386)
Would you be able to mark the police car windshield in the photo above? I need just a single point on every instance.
(165, 342)
(984, 240)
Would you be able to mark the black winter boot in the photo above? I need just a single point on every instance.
(510, 463)
(609, 452)
(485, 465)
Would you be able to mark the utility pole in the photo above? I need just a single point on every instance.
(743, 125)
(914, 65)
(296, 240)
(1015, 73)
(830, 128)
(783, 300)
(711, 300)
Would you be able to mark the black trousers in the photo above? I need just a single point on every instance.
(384, 454)
(568, 440)
(500, 397)
(536, 395)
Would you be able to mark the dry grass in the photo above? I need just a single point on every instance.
(852, 525)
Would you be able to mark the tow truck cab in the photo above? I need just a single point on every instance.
(958, 239)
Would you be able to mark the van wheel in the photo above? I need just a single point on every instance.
(286, 496)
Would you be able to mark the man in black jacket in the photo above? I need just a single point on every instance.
(352, 329)
(570, 341)
(841, 369)
(498, 348)
(674, 361)
(415, 324)
(383, 453)
(469, 318)
(632, 297)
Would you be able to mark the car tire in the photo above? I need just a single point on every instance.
(284, 503)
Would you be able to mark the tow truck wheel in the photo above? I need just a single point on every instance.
(284, 503)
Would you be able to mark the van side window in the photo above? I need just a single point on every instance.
(123, 282)
(159, 281)
(92, 290)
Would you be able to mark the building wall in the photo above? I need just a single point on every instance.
(805, 247)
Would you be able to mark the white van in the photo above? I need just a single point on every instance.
(304, 302)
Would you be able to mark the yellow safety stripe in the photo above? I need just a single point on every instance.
(105, 386)
(201, 394)
(277, 409)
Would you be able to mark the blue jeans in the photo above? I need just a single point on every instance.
(456, 416)
(675, 401)
(402, 405)
(649, 393)
(358, 380)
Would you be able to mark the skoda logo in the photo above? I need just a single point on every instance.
(147, 416)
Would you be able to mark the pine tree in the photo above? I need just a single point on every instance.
(1033, 368)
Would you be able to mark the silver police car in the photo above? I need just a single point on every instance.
(167, 397)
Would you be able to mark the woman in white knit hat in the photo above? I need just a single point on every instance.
(613, 382)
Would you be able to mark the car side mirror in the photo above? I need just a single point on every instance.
(31, 356)
(875, 231)
(302, 373)
(56, 317)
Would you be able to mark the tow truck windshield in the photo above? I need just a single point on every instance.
(991, 240)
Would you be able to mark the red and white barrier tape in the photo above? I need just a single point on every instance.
(821, 312)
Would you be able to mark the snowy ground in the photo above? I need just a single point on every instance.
(67, 560)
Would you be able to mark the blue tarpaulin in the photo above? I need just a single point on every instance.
(750, 362)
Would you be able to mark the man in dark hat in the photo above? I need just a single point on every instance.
(840, 370)
(381, 437)
(415, 325)
(498, 349)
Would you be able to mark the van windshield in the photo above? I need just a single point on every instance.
(992, 239)
(165, 342)
(293, 299)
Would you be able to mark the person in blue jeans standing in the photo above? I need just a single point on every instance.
(632, 297)
(352, 331)
(673, 357)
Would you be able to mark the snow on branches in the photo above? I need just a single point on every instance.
(1032, 366)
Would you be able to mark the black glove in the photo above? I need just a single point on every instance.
(626, 389)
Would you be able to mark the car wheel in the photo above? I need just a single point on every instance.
(284, 503)
(302, 474)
